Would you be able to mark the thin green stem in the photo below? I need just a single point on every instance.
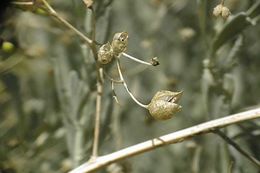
(237, 147)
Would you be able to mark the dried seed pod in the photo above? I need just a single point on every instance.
(217, 10)
(225, 12)
(119, 43)
(163, 105)
(221, 10)
(105, 54)
(154, 61)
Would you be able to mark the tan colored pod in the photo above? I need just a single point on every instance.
(217, 10)
(163, 105)
(225, 12)
(119, 43)
(105, 54)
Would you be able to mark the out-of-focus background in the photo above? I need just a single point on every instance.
(48, 83)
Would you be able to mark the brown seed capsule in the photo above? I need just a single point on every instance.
(105, 54)
(163, 105)
(119, 43)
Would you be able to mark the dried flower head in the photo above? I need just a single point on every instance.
(217, 10)
(225, 12)
(88, 3)
(163, 105)
(105, 54)
(221, 10)
(119, 42)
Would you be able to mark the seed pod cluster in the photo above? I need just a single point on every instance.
(105, 53)
(108, 51)
(119, 43)
(221, 10)
(163, 105)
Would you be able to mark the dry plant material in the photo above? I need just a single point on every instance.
(119, 43)
(164, 105)
(221, 10)
(88, 3)
(105, 54)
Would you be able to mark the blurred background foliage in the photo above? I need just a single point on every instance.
(48, 82)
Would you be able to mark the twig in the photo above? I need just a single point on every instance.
(126, 87)
(97, 117)
(135, 59)
(66, 23)
(114, 92)
(99, 71)
(171, 138)
(237, 147)
(22, 3)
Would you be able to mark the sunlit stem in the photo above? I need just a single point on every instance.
(22, 3)
(114, 92)
(135, 59)
(126, 87)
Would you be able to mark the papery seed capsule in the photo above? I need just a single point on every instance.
(217, 10)
(105, 54)
(163, 105)
(225, 12)
(119, 43)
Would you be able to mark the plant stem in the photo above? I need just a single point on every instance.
(126, 87)
(237, 147)
(22, 3)
(97, 116)
(66, 23)
(175, 137)
(135, 59)
(100, 81)
(99, 71)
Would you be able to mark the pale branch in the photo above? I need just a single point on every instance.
(97, 119)
(66, 23)
(175, 137)
(22, 3)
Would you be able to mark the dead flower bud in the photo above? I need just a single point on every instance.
(88, 3)
(105, 54)
(225, 12)
(217, 10)
(119, 42)
(164, 104)
(154, 61)
(221, 10)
